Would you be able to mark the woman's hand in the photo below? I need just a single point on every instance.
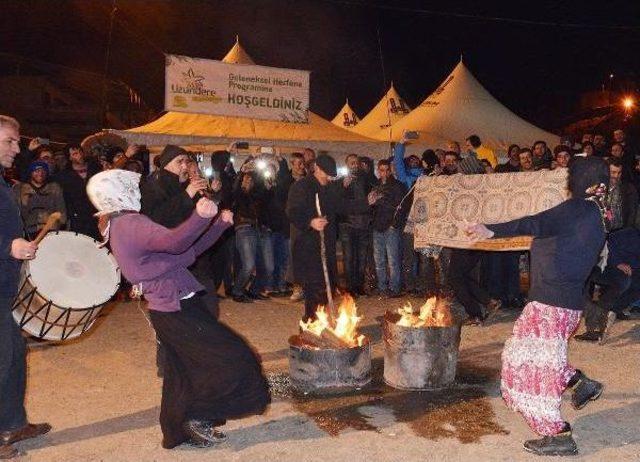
(206, 208)
(226, 216)
(477, 231)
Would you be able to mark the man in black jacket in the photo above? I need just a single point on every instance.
(220, 255)
(13, 249)
(354, 228)
(165, 199)
(73, 181)
(302, 212)
(387, 228)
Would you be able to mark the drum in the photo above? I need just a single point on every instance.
(64, 288)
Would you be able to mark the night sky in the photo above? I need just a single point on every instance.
(537, 70)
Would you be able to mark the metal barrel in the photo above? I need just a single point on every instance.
(419, 358)
(325, 371)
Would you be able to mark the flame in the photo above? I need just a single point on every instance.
(434, 313)
(345, 326)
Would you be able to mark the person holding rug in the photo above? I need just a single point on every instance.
(210, 374)
(567, 240)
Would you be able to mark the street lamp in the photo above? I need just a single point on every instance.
(627, 103)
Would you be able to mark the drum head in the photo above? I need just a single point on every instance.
(73, 272)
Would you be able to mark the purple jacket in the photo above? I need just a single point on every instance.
(158, 257)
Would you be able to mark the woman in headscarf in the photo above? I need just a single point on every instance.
(567, 240)
(210, 373)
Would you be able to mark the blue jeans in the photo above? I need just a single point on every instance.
(280, 244)
(386, 252)
(255, 252)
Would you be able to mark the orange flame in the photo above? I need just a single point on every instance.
(434, 313)
(345, 326)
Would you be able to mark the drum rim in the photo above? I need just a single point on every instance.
(27, 275)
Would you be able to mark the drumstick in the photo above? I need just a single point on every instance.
(48, 226)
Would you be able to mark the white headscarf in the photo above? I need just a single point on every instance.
(114, 191)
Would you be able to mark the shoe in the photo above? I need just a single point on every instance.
(515, 303)
(588, 336)
(584, 390)
(200, 444)
(201, 432)
(8, 452)
(561, 444)
(491, 309)
(622, 317)
(611, 319)
(27, 432)
(473, 321)
(297, 294)
(242, 299)
(281, 293)
(254, 296)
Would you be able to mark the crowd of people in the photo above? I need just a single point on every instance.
(270, 227)
(253, 260)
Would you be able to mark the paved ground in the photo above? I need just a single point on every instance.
(101, 395)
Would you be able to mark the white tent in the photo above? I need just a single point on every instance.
(204, 132)
(237, 55)
(461, 107)
(346, 117)
(389, 110)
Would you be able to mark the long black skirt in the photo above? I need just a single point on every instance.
(210, 372)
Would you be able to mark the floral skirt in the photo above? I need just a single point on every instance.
(535, 371)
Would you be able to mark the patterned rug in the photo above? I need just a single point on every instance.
(442, 204)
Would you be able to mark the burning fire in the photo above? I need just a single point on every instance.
(434, 313)
(344, 327)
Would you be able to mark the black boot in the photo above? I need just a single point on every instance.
(561, 444)
(584, 390)
(589, 336)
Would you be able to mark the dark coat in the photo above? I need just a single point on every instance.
(80, 210)
(10, 229)
(357, 190)
(301, 209)
(629, 204)
(567, 240)
(165, 200)
(386, 211)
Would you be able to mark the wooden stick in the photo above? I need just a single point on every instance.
(325, 268)
(48, 226)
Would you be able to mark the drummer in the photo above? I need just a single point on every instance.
(14, 426)
(210, 374)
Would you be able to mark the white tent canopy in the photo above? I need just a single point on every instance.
(389, 110)
(461, 107)
(203, 132)
(346, 117)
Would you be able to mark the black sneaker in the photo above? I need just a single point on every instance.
(588, 336)
(584, 390)
(201, 432)
(561, 444)
(242, 299)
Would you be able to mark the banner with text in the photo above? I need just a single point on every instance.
(213, 87)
